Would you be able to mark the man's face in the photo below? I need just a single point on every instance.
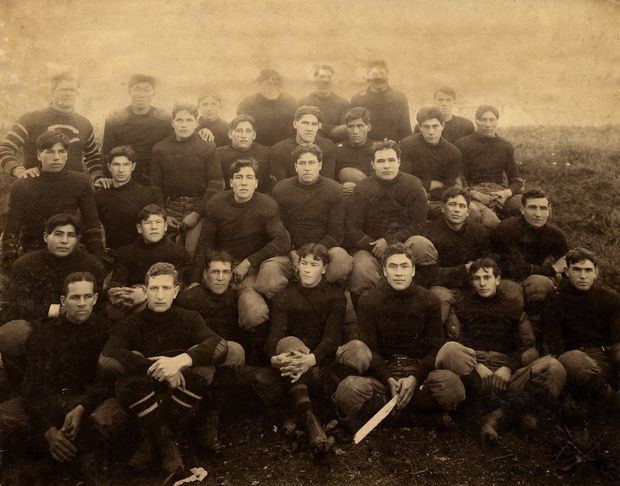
(242, 136)
(65, 94)
(184, 124)
(485, 282)
(358, 131)
(536, 212)
(307, 127)
(152, 228)
(455, 210)
(161, 292)
(386, 164)
(243, 184)
(582, 274)
(308, 168)
(79, 302)
(217, 277)
(53, 159)
(311, 271)
(377, 77)
(271, 88)
(120, 168)
(486, 125)
(323, 79)
(399, 271)
(445, 103)
(431, 130)
(141, 95)
(62, 240)
(209, 108)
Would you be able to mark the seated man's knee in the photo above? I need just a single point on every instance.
(550, 374)
(537, 288)
(273, 275)
(424, 252)
(340, 265)
(355, 354)
(291, 343)
(352, 393)
(366, 272)
(578, 365)
(512, 291)
(110, 418)
(455, 357)
(253, 309)
(235, 358)
(13, 337)
(110, 369)
(447, 388)
(446, 297)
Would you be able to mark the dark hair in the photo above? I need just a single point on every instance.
(386, 145)
(267, 74)
(191, 109)
(533, 193)
(453, 192)
(486, 262)
(244, 117)
(304, 148)
(210, 94)
(121, 151)
(240, 164)
(357, 112)
(397, 249)
(149, 210)
(78, 277)
(317, 250)
(445, 90)
(162, 268)
(217, 256)
(60, 77)
(62, 219)
(380, 63)
(428, 113)
(48, 139)
(141, 78)
(579, 254)
(325, 67)
(482, 109)
(308, 110)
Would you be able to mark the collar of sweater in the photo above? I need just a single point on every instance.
(483, 139)
(130, 184)
(389, 290)
(452, 230)
(387, 184)
(189, 139)
(530, 229)
(58, 111)
(233, 202)
(156, 318)
(54, 176)
(322, 96)
(66, 325)
(309, 290)
(140, 242)
(565, 287)
(308, 187)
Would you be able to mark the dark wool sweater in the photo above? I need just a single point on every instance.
(574, 318)
(228, 156)
(63, 355)
(83, 151)
(312, 213)
(456, 248)
(283, 165)
(142, 132)
(186, 168)
(406, 322)
(133, 261)
(455, 128)
(34, 200)
(274, 118)
(37, 278)
(522, 250)
(487, 160)
(333, 108)
(389, 113)
(168, 333)
(393, 210)
(495, 324)
(441, 162)
(357, 157)
(118, 209)
(219, 128)
(251, 230)
(314, 315)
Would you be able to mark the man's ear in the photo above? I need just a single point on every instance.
(295, 124)
(63, 299)
(45, 237)
(95, 297)
(139, 228)
(177, 289)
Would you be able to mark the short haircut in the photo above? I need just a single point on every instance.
(357, 112)
(267, 74)
(580, 254)
(323, 67)
(121, 151)
(308, 110)
(386, 145)
(191, 109)
(162, 268)
(141, 78)
(149, 210)
(445, 90)
(380, 63)
(484, 263)
(63, 219)
(210, 94)
(78, 277)
(240, 164)
(428, 113)
(317, 250)
(304, 148)
(65, 76)
(48, 139)
(397, 249)
(217, 256)
(533, 193)
(453, 192)
(482, 109)
(242, 118)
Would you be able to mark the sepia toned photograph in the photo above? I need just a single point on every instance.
(286, 243)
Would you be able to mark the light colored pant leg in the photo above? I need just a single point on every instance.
(512, 290)
(13, 337)
(366, 272)
(273, 276)
(340, 265)
(457, 358)
(355, 354)
(447, 388)
(253, 309)
(354, 391)
(537, 288)
(488, 218)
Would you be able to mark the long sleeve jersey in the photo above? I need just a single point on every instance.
(389, 113)
(333, 108)
(282, 163)
(229, 155)
(454, 128)
(358, 157)
(219, 128)
(274, 118)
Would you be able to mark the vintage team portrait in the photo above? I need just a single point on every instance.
(284, 243)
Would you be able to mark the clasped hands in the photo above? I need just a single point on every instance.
(293, 364)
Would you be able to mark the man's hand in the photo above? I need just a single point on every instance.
(501, 196)
(500, 379)
(103, 183)
(347, 188)
(241, 270)
(298, 363)
(61, 448)
(379, 247)
(404, 388)
(206, 135)
(560, 265)
(164, 368)
(483, 198)
(176, 381)
(173, 223)
(73, 420)
(485, 373)
(190, 220)
(20, 172)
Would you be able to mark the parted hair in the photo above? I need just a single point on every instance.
(397, 249)
(316, 250)
(486, 262)
(482, 109)
(534, 193)
(428, 113)
(162, 268)
(307, 148)
(244, 117)
(188, 107)
(217, 256)
(357, 112)
(580, 254)
(239, 164)
(48, 139)
(62, 219)
(121, 151)
(308, 110)
(386, 145)
(453, 191)
(78, 277)
(149, 210)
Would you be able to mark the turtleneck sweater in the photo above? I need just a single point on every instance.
(274, 118)
(389, 113)
(219, 128)
(333, 108)
(229, 155)
(282, 163)
(454, 128)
